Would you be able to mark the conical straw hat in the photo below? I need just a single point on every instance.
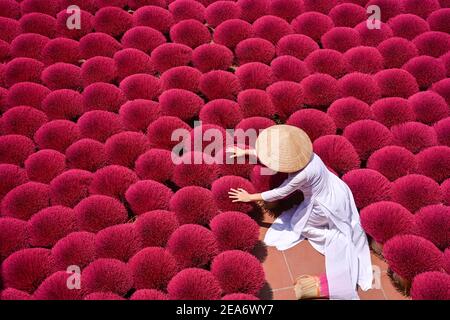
(284, 148)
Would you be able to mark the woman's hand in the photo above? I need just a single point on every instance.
(236, 152)
(239, 195)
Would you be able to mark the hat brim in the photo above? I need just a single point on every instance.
(284, 148)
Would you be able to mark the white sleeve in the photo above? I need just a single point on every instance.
(289, 186)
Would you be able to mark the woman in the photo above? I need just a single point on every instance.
(327, 217)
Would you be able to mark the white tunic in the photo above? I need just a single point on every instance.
(328, 218)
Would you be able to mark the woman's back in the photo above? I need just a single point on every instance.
(326, 188)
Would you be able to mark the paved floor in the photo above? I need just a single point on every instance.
(282, 267)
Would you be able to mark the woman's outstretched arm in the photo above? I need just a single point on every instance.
(240, 195)
(237, 152)
(290, 185)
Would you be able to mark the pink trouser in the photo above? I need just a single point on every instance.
(324, 286)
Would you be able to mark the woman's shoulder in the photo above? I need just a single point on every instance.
(314, 166)
(310, 167)
(315, 159)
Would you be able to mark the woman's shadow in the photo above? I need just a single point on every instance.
(271, 211)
